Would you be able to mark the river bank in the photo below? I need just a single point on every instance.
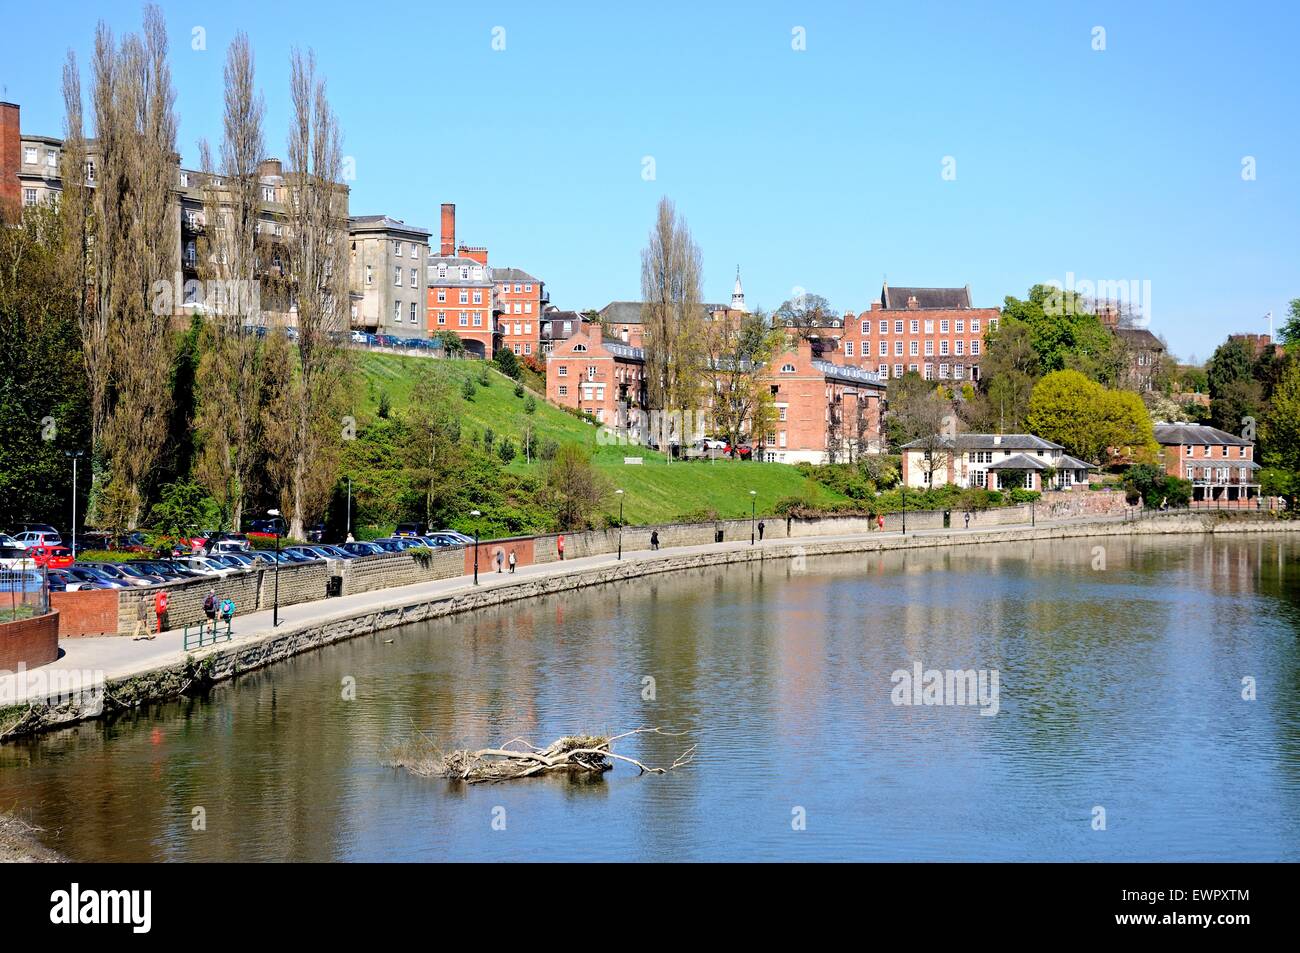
(97, 677)
(19, 844)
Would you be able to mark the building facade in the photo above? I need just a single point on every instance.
(825, 412)
(520, 299)
(992, 462)
(590, 373)
(388, 276)
(1220, 466)
(932, 331)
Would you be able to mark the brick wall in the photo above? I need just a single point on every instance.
(92, 612)
(10, 157)
(400, 569)
(1062, 504)
(29, 642)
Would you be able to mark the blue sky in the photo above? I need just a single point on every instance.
(817, 168)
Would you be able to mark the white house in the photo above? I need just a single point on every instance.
(992, 461)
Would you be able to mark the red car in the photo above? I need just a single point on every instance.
(50, 557)
(744, 451)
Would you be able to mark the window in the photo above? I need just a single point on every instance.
(848, 348)
(1208, 451)
(464, 296)
(929, 327)
(943, 327)
(519, 308)
(961, 327)
(1241, 451)
(564, 390)
(974, 325)
(442, 271)
(913, 348)
(1190, 451)
(518, 288)
(29, 155)
(943, 348)
(397, 277)
(563, 370)
(898, 327)
(413, 279)
(414, 314)
(397, 312)
(442, 317)
(898, 370)
(787, 368)
(528, 327)
(975, 346)
(528, 348)
(51, 159)
(866, 327)
(961, 347)
(929, 349)
(415, 251)
(442, 295)
(464, 272)
(580, 347)
(464, 320)
(883, 371)
(268, 193)
(884, 348)
(591, 372)
(478, 297)
(993, 324)
(884, 327)
(943, 372)
(957, 370)
(898, 348)
(478, 320)
(528, 307)
(929, 372)
(519, 329)
(399, 249)
(914, 326)
(29, 196)
(528, 287)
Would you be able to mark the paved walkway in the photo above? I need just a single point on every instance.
(117, 657)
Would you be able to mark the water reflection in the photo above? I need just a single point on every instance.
(1120, 687)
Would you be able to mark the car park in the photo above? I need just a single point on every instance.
(363, 549)
(36, 537)
(387, 545)
(297, 554)
(456, 534)
(16, 558)
(61, 580)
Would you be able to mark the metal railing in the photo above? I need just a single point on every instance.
(24, 593)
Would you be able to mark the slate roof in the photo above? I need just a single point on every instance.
(1139, 338)
(384, 223)
(1020, 461)
(988, 441)
(1170, 435)
(1067, 462)
(629, 312)
(513, 274)
(895, 299)
(848, 375)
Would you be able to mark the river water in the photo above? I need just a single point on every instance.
(1120, 733)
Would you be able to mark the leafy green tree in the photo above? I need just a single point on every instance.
(484, 378)
(530, 404)
(1087, 419)
(1290, 330)
(452, 345)
(507, 363)
(506, 450)
(575, 489)
(1279, 431)
(467, 389)
(1150, 483)
(183, 508)
(1062, 332)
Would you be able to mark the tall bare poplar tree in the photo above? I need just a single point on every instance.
(308, 425)
(131, 237)
(673, 320)
(230, 374)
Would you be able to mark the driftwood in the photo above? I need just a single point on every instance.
(517, 758)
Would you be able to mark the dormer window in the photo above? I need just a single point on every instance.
(580, 347)
(787, 368)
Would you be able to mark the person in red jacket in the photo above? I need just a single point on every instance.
(559, 545)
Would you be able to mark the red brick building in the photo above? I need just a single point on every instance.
(826, 412)
(932, 331)
(605, 378)
(520, 299)
(1220, 466)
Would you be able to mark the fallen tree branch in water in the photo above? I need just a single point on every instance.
(582, 754)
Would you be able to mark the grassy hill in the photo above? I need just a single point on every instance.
(654, 491)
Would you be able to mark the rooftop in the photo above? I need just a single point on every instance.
(1178, 434)
(987, 441)
(895, 299)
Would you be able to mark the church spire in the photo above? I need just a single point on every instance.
(738, 294)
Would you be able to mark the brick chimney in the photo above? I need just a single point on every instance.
(10, 157)
(448, 244)
(912, 303)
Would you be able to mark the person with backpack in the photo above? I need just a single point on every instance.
(654, 540)
(227, 611)
(210, 608)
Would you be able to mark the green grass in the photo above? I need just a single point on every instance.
(654, 491)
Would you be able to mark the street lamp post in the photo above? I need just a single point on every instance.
(349, 529)
(275, 609)
(620, 523)
(476, 514)
(902, 489)
(75, 455)
(753, 514)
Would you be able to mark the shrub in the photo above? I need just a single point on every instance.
(549, 449)
(385, 405)
(489, 437)
(507, 363)
(467, 389)
(530, 404)
(519, 390)
(506, 451)
(484, 378)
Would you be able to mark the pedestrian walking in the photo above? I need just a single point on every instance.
(559, 545)
(227, 611)
(351, 538)
(761, 526)
(141, 630)
(500, 558)
(654, 540)
(880, 521)
(968, 520)
(512, 562)
(210, 608)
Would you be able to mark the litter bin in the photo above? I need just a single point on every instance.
(333, 586)
(717, 535)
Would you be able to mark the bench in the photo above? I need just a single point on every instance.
(633, 461)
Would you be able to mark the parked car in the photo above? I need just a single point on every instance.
(338, 552)
(743, 450)
(85, 573)
(53, 557)
(385, 545)
(124, 573)
(363, 549)
(63, 581)
(447, 539)
(230, 544)
(207, 566)
(267, 528)
(316, 534)
(45, 528)
(8, 541)
(26, 580)
(300, 554)
(456, 535)
(38, 537)
(410, 529)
